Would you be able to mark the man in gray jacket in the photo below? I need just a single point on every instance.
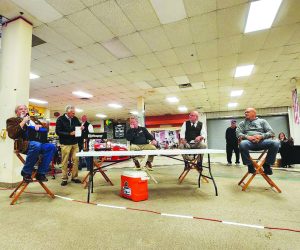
(256, 134)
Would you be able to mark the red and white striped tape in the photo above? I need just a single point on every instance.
(183, 216)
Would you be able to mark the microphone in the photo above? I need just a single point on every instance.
(28, 122)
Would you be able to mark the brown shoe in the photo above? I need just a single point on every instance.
(137, 164)
(149, 166)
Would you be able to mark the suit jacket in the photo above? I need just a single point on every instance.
(18, 134)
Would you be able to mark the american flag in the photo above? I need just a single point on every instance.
(296, 107)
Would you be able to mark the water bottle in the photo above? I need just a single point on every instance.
(91, 145)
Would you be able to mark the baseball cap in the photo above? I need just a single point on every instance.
(233, 121)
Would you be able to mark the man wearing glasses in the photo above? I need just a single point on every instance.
(192, 135)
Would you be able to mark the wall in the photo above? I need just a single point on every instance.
(217, 129)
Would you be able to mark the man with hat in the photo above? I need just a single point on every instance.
(232, 143)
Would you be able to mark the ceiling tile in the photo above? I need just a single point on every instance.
(87, 22)
(66, 7)
(167, 57)
(71, 32)
(204, 27)
(156, 39)
(113, 17)
(140, 13)
(135, 43)
(181, 27)
(199, 7)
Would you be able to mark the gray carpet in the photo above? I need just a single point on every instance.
(38, 222)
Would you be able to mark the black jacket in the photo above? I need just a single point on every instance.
(63, 129)
(230, 136)
(138, 136)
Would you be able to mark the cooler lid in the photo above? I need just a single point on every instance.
(136, 174)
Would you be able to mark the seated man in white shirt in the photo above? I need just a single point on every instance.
(192, 135)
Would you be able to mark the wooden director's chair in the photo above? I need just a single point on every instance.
(96, 165)
(192, 164)
(258, 165)
(23, 185)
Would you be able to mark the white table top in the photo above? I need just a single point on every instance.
(151, 152)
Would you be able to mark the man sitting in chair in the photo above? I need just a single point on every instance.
(256, 134)
(17, 128)
(192, 135)
(139, 139)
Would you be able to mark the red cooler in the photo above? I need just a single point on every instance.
(134, 185)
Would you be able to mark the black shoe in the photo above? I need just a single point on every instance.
(251, 169)
(137, 164)
(41, 177)
(64, 183)
(76, 180)
(26, 177)
(267, 169)
(149, 166)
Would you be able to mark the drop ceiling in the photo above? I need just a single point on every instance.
(205, 47)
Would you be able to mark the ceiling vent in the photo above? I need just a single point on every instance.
(185, 85)
(36, 41)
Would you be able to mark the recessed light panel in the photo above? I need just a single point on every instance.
(236, 93)
(232, 104)
(82, 94)
(245, 70)
(262, 14)
(115, 105)
(172, 99)
(37, 101)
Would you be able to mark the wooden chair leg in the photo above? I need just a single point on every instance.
(248, 182)
(183, 175)
(258, 165)
(15, 190)
(47, 190)
(18, 194)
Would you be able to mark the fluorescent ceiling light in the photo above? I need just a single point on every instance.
(33, 76)
(182, 108)
(261, 14)
(78, 110)
(37, 101)
(39, 9)
(134, 112)
(117, 48)
(115, 105)
(169, 11)
(172, 99)
(232, 104)
(243, 70)
(181, 79)
(101, 115)
(82, 94)
(236, 93)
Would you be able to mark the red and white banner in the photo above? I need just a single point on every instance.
(296, 107)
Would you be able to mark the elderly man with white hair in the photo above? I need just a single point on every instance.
(65, 129)
(18, 128)
(192, 135)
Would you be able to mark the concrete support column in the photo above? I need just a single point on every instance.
(141, 111)
(14, 88)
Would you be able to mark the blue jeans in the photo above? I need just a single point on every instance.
(35, 149)
(269, 144)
